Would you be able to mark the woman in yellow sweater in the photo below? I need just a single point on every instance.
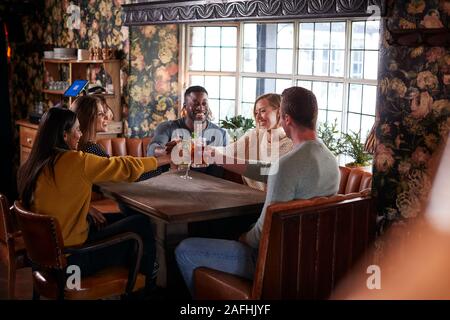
(92, 114)
(57, 180)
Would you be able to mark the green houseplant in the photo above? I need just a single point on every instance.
(237, 126)
(355, 149)
(331, 137)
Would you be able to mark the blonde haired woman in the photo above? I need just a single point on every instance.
(267, 142)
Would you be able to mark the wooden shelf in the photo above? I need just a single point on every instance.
(72, 69)
(53, 91)
(77, 61)
(439, 37)
(60, 92)
(27, 123)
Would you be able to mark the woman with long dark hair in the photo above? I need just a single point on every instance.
(57, 180)
(92, 113)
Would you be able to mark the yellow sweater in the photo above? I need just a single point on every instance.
(68, 199)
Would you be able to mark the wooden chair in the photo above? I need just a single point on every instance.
(12, 247)
(46, 251)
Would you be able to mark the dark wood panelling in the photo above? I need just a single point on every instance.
(360, 230)
(289, 260)
(238, 10)
(325, 252)
(343, 244)
(308, 253)
(273, 284)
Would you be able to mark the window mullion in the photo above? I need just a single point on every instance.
(266, 75)
(295, 53)
(184, 63)
(212, 73)
(240, 58)
(345, 96)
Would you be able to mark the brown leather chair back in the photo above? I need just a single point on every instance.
(307, 246)
(42, 237)
(354, 180)
(135, 147)
(12, 248)
(46, 251)
(6, 226)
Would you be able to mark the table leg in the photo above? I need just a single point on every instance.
(167, 237)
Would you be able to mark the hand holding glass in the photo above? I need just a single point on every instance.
(186, 159)
(198, 158)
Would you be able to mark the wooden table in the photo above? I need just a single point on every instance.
(177, 207)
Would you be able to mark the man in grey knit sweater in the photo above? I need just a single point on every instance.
(309, 170)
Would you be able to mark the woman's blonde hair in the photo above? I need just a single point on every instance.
(274, 100)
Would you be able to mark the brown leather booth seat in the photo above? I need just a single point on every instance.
(306, 246)
(354, 180)
(135, 147)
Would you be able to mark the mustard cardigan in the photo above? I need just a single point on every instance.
(67, 197)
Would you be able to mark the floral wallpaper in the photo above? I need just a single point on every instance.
(152, 75)
(153, 80)
(26, 69)
(413, 109)
(100, 26)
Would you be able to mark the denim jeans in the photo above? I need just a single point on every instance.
(224, 255)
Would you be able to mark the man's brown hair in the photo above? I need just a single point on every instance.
(301, 105)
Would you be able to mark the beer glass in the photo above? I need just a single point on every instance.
(198, 153)
(186, 161)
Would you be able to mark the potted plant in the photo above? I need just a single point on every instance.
(355, 149)
(331, 137)
(237, 126)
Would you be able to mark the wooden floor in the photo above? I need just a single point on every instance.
(24, 291)
(23, 284)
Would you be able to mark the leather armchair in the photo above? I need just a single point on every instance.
(306, 246)
(46, 251)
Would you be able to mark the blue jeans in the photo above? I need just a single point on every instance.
(223, 255)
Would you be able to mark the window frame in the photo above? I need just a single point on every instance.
(239, 74)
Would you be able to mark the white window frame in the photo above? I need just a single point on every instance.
(294, 77)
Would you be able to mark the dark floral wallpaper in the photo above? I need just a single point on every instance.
(101, 25)
(153, 79)
(149, 84)
(26, 69)
(413, 108)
